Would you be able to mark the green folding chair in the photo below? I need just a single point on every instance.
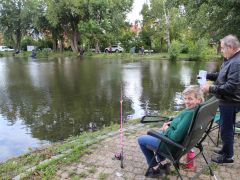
(199, 129)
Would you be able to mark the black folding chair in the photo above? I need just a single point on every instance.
(215, 127)
(199, 129)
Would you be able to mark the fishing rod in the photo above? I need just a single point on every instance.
(119, 156)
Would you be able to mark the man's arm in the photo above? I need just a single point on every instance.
(212, 76)
(232, 83)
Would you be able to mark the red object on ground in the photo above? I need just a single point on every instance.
(190, 156)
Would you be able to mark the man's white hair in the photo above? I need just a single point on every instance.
(231, 41)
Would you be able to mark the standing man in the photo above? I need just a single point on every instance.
(227, 89)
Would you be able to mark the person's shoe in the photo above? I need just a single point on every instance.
(222, 159)
(219, 152)
(154, 163)
(154, 173)
(166, 168)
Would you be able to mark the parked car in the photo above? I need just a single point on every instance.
(5, 48)
(114, 48)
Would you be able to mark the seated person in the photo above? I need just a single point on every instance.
(175, 129)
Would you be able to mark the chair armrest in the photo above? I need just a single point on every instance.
(152, 118)
(164, 138)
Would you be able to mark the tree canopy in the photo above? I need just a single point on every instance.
(96, 23)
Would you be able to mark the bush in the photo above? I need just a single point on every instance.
(198, 50)
(175, 50)
(184, 48)
(44, 43)
(27, 40)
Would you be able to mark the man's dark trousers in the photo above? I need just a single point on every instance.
(227, 124)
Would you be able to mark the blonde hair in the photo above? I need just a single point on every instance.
(196, 90)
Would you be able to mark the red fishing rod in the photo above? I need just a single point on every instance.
(119, 156)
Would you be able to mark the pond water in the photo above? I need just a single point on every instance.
(44, 101)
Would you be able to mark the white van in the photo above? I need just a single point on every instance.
(5, 48)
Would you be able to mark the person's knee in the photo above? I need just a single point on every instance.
(141, 139)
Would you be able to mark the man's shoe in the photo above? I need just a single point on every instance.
(219, 152)
(222, 159)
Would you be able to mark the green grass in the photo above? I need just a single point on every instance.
(92, 170)
(127, 57)
(103, 176)
(154, 56)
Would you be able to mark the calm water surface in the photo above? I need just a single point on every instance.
(49, 100)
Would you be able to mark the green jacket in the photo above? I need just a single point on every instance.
(178, 128)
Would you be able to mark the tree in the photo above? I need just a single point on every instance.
(67, 15)
(161, 12)
(162, 22)
(210, 18)
(16, 19)
(147, 26)
(90, 19)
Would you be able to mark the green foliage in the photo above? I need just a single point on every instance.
(16, 19)
(44, 52)
(211, 18)
(27, 40)
(88, 52)
(175, 50)
(44, 43)
(198, 50)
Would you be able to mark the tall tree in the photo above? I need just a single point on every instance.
(16, 19)
(42, 26)
(212, 18)
(67, 14)
(92, 17)
(163, 22)
(161, 11)
(106, 20)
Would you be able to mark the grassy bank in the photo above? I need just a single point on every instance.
(153, 56)
(44, 162)
(124, 56)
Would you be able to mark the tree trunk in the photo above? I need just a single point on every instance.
(61, 45)
(97, 48)
(18, 39)
(167, 21)
(54, 41)
(74, 41)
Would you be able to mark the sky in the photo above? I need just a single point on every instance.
(137, 7)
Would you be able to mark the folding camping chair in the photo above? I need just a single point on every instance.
(215, 126)
(199, 129)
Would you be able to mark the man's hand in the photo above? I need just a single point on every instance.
(205, 88)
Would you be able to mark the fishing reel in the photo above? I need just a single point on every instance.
(118, 156)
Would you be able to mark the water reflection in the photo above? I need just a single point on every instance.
(16, 139)
(185, 74)
(47, 101)
(132, 82)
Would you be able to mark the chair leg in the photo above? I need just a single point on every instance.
(218, 136)
(209, 167)
(177, 169)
